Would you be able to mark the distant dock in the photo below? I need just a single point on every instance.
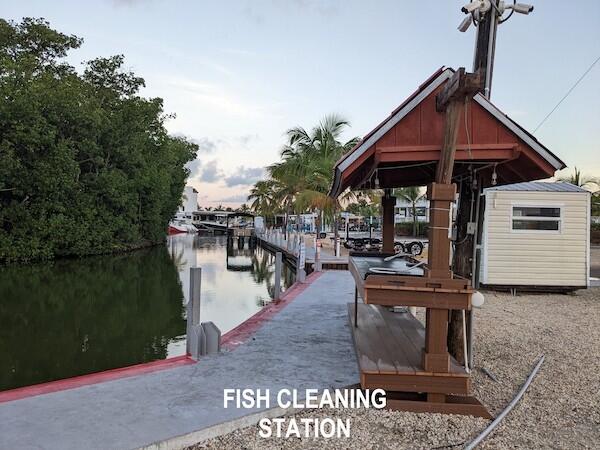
(275, 241)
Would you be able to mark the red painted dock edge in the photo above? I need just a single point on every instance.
(229, 340)
(93, 378)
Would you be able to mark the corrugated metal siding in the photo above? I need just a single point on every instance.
(530, 258)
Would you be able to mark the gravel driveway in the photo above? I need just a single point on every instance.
(560, 409)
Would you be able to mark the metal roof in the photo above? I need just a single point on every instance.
(539, 186)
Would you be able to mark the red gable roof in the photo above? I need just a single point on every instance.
(404, 148)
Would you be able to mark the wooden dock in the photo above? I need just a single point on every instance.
(389, 350)
(290, 254)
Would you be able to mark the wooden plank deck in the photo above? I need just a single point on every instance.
(389, 348)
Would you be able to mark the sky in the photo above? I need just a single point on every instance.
(237, 74)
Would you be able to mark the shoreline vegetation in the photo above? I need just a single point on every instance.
(86, 164)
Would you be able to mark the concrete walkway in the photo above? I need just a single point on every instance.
(305, 345)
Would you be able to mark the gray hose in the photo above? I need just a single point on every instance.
(475, 442)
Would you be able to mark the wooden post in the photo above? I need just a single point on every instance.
(387, 206)
(441, 193)
(440, 197)
(278, 265)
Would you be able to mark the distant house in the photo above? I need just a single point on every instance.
(403, 211)
(536, 235)
(189, 201)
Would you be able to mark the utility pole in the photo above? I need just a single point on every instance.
(486, 15)
(485, 47)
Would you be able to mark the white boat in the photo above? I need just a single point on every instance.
(182, 223)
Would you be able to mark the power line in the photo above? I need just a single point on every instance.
(567, 94)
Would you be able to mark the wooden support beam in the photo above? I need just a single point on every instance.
(388, 203)
(446, 162)
(441, 193)
(461, 85)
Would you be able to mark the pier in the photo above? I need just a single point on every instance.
(315, 260)
(301, 343)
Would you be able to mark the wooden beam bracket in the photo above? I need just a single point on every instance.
(461, 85)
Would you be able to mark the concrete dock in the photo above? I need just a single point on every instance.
(307, 344)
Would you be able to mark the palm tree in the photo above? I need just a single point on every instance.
(301, 180)
(580, 180)
(261, 195)
(307, 164)
(412, 195)
(243, 208)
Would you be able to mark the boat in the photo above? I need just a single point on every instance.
(182, 223)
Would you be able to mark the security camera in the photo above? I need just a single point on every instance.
(481, 5)
(521, 8)
(465, 24)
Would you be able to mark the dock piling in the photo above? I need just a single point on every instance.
(278, 266)
(300, 269)
(193, 304)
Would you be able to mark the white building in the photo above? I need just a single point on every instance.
(189, 201)
(536, 235)
(403, 212)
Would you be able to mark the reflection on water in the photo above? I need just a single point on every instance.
(79, 316)
(237, 279)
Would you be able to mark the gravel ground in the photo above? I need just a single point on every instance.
(561, 409)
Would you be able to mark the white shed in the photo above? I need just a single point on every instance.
(536, 235)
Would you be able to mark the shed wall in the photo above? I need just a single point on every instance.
(536, 258)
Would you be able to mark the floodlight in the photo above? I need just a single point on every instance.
(465, 24)
(481, 5)
(521, 8)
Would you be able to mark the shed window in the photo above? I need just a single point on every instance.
(536, 218)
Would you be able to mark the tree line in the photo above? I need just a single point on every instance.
(86, 164)
(300, 181)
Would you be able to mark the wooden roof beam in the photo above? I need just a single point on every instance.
(461, 85)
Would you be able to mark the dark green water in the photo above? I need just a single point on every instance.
(75, 317)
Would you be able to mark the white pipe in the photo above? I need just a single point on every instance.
(475, 442)
(464, 327)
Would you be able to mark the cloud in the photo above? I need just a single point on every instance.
(129, 2)
(209, 172)
(248, 138)
(215, 96)
(324, 9)
(236, 198)
(244, 176)
(205, 145)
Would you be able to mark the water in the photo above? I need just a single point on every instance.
(79, 316)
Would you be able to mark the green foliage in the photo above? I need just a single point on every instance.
(365, 207)
(86, 164)
(301, 180)
(411, 195)
(581, 180)
(595, 201)
(408, 229)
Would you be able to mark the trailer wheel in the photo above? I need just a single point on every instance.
(415, 247)
(399, 247)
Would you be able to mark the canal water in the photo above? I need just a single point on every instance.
(79, 316)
